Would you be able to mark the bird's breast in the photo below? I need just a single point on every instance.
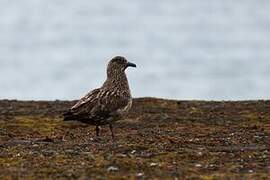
(125, 109)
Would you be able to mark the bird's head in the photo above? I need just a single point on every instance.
(118, 65)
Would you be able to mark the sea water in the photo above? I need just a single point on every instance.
(211, 49)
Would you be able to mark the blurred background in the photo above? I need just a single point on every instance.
(184, 49)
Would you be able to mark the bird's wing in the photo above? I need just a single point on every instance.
(89, 99)
(100, 103)
(113, 102)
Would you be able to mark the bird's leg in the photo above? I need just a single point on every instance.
(97, 130)
(112, 133)
(97, 138)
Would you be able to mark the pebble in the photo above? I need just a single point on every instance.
(73, 152)
(121, 155)
(153, 164)
(139, 174)
(49, 152)
(112, 168)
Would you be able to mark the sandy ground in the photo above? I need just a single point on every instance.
(160, 139)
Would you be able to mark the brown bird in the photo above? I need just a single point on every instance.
(108, 103)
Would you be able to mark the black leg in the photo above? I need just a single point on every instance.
(97, 130)
(112, 133)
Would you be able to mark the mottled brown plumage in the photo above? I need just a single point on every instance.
(108, 103)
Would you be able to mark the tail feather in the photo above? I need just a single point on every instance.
(68, 116)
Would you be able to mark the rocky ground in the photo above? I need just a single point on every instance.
(160, 139)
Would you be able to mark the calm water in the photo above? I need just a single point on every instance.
(211, 49)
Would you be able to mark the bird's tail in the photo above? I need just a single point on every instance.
(68, 116)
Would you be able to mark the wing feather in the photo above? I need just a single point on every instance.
(100, 104)
(88, 99)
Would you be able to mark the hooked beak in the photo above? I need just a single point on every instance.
(129, 64)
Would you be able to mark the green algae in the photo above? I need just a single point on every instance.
(25, 125)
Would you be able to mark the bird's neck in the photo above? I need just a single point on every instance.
(117, 80)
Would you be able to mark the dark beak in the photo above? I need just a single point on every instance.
(129, 64)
